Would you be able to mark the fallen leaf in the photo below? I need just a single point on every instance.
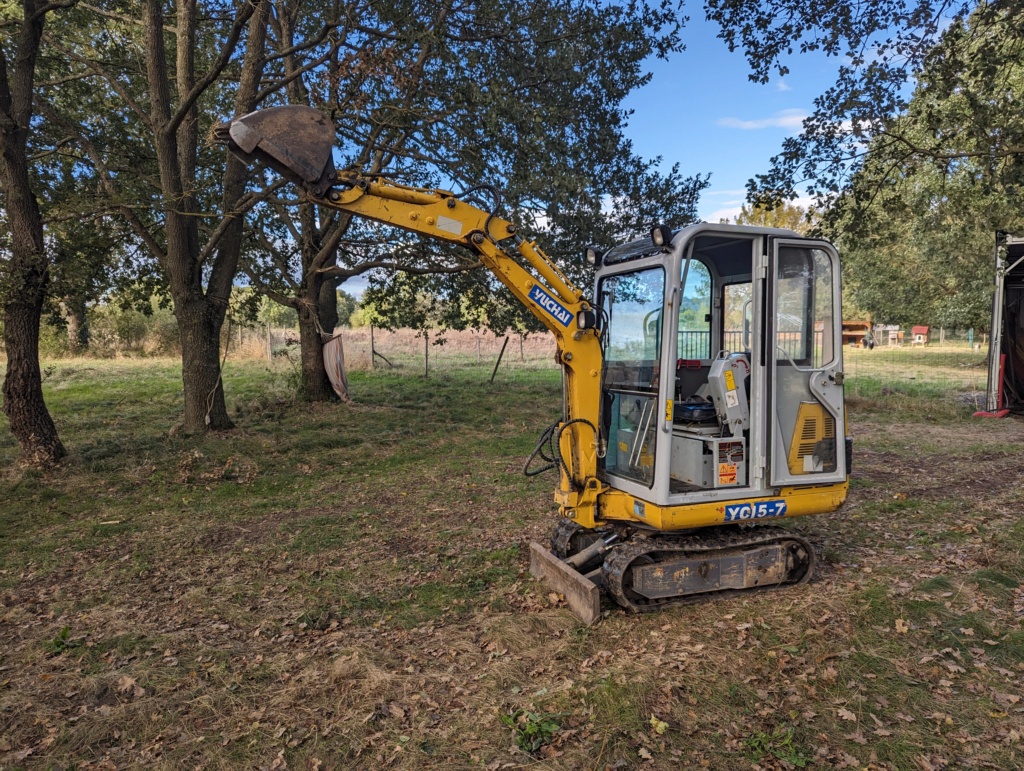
(659, 726)
(125, 684)
(845, 714)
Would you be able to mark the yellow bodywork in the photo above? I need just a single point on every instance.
(800, 501)
(813, 425)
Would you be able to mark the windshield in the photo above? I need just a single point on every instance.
(632, 305)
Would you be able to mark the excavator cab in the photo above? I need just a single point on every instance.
(722, 380)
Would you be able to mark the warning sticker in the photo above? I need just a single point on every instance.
(726, 473)
(449, 225)
(730, 399)
(730, 381)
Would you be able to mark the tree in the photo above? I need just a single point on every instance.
(916, 153)
(966, 48)
(346, 305)
(782, 215)
(26, 269)
(916, 227)
(145, 105)
(916, 245)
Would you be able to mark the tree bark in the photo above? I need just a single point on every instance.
(316, 386)
(328, 304)
(78, 324)
(199, 324)
(27, 272)
(24, 405)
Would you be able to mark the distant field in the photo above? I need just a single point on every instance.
(347, 587)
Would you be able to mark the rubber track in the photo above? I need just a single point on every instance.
(561, 539)
(618, 562)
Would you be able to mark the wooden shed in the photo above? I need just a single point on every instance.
(855, 331)
(919, 335)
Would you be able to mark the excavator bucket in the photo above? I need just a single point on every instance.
(582, 594)
(296, 141)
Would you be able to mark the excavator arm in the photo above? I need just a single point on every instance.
(297, 142)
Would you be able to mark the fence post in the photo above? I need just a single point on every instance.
(498, 362)
(270, 345)
(373, 351)
(426, 353)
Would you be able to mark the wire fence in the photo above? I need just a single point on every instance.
(420, 352)
(953, 369)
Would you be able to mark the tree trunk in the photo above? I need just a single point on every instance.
(27, 274)
(316, 386)
(328, 304)
(24, 406)
(27, 277)
(78, 324)
(317, 304)
(176, 146)
(199, 324)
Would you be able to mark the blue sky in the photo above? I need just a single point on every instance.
(702, 111)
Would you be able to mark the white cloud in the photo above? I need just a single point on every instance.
(784, 119)
(730, 210)
(783, 86)
(725, 213)
(732, 193)
(803, 201)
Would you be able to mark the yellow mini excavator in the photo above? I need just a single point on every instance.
(703, 382)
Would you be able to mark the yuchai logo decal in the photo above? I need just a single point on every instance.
(551, 305)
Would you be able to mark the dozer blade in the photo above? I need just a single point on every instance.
(582, 594)
(296, 141)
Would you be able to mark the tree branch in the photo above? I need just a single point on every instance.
(365, 267)
(246, 9)
(137, 225)
(114, 83)
(263, 288)
(245, 204)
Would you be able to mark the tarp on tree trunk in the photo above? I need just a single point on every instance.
(334, 364)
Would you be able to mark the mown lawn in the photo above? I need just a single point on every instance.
(346, 586)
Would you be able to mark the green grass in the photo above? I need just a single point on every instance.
(347, 585)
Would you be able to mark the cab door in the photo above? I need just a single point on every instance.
(806, 427)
